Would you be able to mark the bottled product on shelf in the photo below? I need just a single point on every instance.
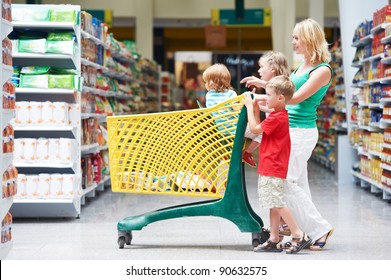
(7, 105)
(371, 103)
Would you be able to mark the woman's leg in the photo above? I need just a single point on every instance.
(303, 141)
(306, 215)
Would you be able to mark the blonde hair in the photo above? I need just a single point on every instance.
(217, 77)
(277, 61)
(282, 85)
(312, 34)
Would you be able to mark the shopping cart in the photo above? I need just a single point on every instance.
(194, 153)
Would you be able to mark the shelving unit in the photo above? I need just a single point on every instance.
(5, 117)
(50, 207)
(331, 115)
(369, 121)
(166, 91)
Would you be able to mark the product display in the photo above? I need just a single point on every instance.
(9, 172)
(371, 102)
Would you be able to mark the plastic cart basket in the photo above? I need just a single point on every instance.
(184, 153)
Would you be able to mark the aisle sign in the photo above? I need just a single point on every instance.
(252, 17)
(215, 36)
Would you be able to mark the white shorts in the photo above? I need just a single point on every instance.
(270, 192)
(255, 137)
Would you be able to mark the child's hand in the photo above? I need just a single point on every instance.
(248, 101)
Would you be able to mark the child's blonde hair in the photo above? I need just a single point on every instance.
(312, 34)
(277, 61)
(217, 77)
(282, 85)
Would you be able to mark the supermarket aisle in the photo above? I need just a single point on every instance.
(361, 220)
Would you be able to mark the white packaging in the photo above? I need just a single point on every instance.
(56, 186)
(22, 113)
(47, 113)
(68, 185)
(19, 150)
(31, 186)
(66, 150)
(74, 114)
(43, 188)
(60, 113)
(53, 150)
(42, 150)
(29, 149)
(21, 183)
(35, 113)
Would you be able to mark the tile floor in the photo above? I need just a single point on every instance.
(362, 223)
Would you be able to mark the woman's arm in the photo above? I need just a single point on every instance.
(253, 81)
(317, 79)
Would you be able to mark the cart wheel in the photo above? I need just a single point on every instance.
(121, 242)
(255, 239)
(128, 238)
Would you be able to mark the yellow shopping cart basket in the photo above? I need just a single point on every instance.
(185, 153)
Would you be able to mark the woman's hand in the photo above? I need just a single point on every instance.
(253, 81)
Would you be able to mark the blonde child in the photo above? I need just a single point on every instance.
(271, 64)
(273, 161)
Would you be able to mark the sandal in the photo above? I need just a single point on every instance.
(298, 244)
(284, 245)
(268, 246)
(319, 245)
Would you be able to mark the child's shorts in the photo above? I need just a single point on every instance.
(255, 137)
(270, 192)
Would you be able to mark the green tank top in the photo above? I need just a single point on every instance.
(303, 115)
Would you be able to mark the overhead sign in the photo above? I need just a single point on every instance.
(252, 17)
(215, 36)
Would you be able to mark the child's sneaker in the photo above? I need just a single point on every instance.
(248, 158)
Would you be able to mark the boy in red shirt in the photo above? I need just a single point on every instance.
(273, 160)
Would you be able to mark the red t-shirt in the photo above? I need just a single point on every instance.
(275, 146)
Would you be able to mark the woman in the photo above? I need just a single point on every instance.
(312, 79)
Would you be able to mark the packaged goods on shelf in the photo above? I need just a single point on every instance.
(6, 225)
(7, 51)
(6, 10)
(45, 185)
(8, 139)
(9, 183)
(8, 95)
(45, 150)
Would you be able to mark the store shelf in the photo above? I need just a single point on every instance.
(53, 60)
(375, 186)
(5, 205)
(5, 158)
(5, 248)
(6, 28)
(50, 207)
(30, 208)
(45, 91)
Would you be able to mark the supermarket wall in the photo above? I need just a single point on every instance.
(171, 9)
(142, 13)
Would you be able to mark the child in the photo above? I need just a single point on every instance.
(218, 84)
(273, 161)
(271, 64)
